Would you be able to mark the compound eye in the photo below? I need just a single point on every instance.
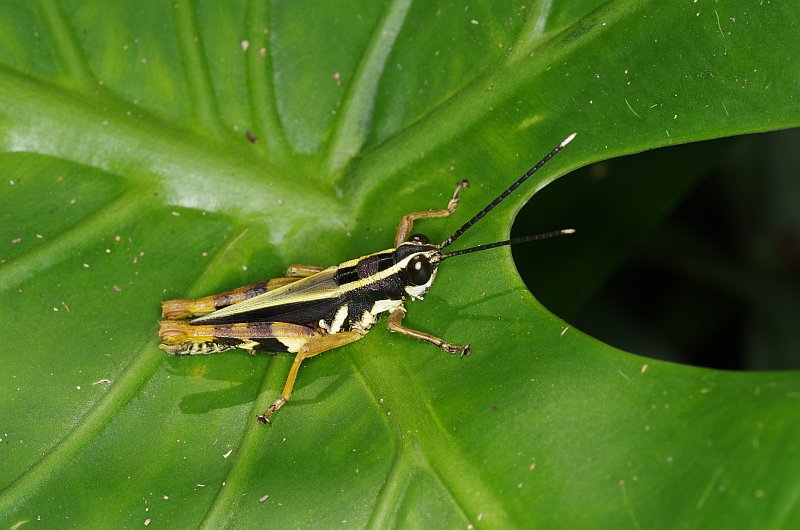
(419, 270)
(419, 238)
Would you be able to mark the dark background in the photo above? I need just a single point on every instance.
(688, 253)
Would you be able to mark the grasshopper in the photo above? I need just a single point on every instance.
(313, 309)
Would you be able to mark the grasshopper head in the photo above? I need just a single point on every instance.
(418, 260)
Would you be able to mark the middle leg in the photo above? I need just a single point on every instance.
(395, 324)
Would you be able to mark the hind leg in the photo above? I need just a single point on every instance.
(313, 347)
(181, 338)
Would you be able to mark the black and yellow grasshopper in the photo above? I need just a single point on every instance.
(313, 310)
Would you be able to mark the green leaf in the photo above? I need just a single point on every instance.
(128, 178)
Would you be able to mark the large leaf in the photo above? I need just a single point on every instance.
(128, 178)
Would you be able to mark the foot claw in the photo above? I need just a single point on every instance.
(278, 403)
(463, 351)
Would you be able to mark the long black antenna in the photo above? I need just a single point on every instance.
(514, 241)
(505, 194)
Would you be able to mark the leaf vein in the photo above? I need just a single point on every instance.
(201, 88)
(350, 129)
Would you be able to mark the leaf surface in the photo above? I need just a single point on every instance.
(128, 178)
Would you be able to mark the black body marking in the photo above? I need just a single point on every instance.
(365, 268)
(304, 313)
(311, 312)
(407, 249)
(270, 346)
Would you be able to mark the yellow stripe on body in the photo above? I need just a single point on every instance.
(320, 286)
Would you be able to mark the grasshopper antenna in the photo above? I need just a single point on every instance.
(514, 241)
(502, 196)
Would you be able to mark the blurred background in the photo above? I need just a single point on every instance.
(689, 253)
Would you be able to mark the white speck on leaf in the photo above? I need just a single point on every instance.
(631, 108)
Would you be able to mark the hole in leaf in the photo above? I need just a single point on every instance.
(689, 254)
